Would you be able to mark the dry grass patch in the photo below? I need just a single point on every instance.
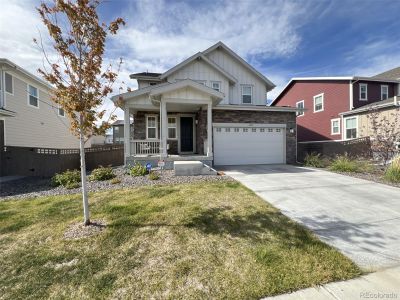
(203, 240)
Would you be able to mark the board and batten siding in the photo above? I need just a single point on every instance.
(199, 70)
(35, 127)
(243, 75)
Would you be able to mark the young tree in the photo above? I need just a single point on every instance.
(81, 85)
(384, 132)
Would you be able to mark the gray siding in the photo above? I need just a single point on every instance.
(35, 127)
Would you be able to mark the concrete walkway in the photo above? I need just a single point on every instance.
(358, 217)
(380, 285)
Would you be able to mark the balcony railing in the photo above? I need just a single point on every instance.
(143, 147)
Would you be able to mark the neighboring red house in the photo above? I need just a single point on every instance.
(324, 98)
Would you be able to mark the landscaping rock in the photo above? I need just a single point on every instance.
(30, 187)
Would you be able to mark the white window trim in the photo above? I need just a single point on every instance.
(241, 93)
(38, 96)
(12, 83)
(323, 100)
(176, 128)
(301, 114)
(345, 129)
(58, 111)
(147, 127)
(366, 91)
(387, 90)
(333, 120)
(219, 85)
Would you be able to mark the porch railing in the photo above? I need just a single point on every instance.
(143, 147)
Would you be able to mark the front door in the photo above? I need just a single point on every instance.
(186, 134)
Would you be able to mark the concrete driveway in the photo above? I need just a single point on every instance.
(359, 217)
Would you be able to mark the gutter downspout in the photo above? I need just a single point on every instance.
(2, 91)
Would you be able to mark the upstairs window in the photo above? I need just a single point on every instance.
(171, 127)
(384, 92)
(319, 103)
(363, 91)
(216, 85)
(8, 83)
(61, 112)
(300, 105)
(33, 99)
(247, 94)
(151, 127)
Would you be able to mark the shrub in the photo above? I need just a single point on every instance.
(315, 160)
(393, 171)
(138, 170)
(68, 179)
(115, 180)
(345, 164)
(102, 173)
(154, 175)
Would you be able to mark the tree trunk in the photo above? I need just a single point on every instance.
(83, 178)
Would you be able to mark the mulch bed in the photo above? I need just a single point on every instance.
(30, 187)
(77, 231)
(377, 176)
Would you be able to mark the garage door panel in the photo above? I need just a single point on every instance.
(264, 146)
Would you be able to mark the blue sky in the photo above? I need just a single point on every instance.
(282, 39)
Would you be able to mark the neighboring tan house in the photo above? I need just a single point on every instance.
(330, 103)
(210, 108)
(28, 116)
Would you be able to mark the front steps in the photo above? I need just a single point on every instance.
(192, 168)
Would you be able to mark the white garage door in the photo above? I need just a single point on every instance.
(236, 145)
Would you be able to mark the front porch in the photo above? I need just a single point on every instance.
(173, 123)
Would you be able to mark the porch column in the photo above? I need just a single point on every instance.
(164, 128)
(127, 132)
(209, 129)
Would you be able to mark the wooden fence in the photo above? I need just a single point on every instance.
(360, 147)
(45, 162)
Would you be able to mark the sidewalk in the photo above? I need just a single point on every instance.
(383, 284)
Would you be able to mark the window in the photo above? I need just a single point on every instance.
(270, 130)
(245, 130)
(61, 112)
(300, 105)
(351, 127)
(319, 103)
(152, 83)
(151, 127)
(363, 91)
(227, 130)
(171, 127)
(33, 99)
(384, 92)
(254, 130)
(335, 126)
(215, 85)
(236, 129)
(8, 83)
(247, 94)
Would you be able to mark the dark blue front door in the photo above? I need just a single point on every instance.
(186, 134)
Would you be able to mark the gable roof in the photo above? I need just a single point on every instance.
(393, 74)
(221, 45)
(5, 61)
(200, 56)
(157, 90)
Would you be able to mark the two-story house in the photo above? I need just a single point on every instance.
(28, 117)
(211, 108)
(332, 104)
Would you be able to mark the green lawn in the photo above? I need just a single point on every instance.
(203, 240)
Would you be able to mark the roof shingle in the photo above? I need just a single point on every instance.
(393, 74)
